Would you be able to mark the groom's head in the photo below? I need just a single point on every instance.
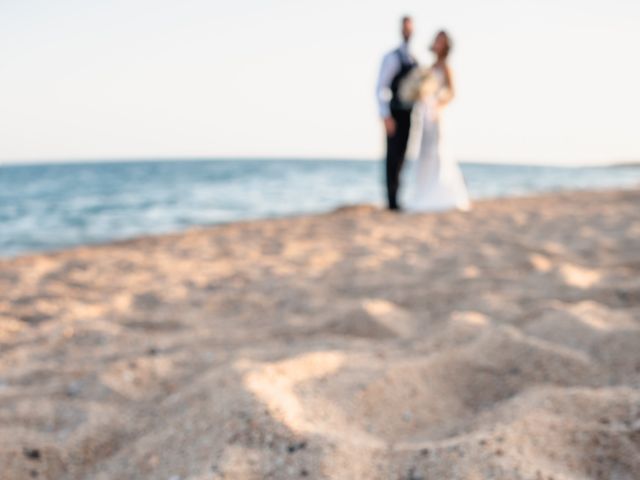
(407, 28)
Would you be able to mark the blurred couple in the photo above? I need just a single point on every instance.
(407, 91)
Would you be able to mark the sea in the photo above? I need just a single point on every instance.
(50, 207)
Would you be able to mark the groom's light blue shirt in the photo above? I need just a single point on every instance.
(391, 65)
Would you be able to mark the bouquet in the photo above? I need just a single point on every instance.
(420, 83)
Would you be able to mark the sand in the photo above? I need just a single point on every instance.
(503, 343)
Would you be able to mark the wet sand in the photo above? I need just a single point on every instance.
(503, 343)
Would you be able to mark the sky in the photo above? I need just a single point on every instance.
(538, 81)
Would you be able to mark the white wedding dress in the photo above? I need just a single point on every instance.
(438, 183)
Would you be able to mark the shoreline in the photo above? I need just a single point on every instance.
(371, 206)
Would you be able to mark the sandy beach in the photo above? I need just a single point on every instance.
(503, 343)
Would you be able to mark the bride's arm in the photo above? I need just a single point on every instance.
(449, 92)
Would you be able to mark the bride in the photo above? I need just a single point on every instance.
(438, 181)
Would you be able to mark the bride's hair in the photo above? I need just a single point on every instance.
(449, 42)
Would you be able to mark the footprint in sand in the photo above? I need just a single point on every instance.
(372, 400)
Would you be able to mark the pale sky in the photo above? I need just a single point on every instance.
(539, 81)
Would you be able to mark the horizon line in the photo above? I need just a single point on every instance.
(169, 159)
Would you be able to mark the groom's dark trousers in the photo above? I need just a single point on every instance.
(396, 151)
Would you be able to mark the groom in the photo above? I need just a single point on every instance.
(396, 115)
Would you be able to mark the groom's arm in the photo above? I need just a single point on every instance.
(388, 70)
